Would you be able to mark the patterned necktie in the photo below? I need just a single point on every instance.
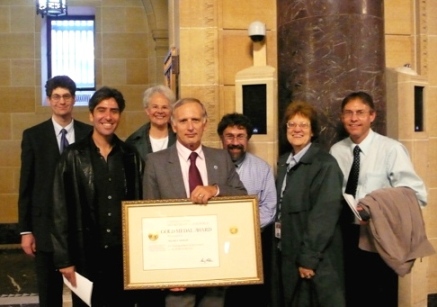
(352, 181)
(64, 141)
(194, 178)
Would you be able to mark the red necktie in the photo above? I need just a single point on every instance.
(194, 178)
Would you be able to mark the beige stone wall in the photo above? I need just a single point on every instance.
(411, 38)
(214, 45)
(130, 47)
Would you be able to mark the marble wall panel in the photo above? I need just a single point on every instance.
(327, 49)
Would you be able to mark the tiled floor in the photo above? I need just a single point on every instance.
(29, 301)
(24, 301)
(17, 279)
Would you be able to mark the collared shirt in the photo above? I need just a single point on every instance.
(70, 132)
(292, 160)
(109, 181)
(184, 159)
(258, 179)
(384, 162)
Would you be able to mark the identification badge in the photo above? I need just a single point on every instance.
(278, 230)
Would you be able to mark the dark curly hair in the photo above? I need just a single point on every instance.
(235, 119)
(60, 81)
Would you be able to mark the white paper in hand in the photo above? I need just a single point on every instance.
(83, 289)
(352, 204)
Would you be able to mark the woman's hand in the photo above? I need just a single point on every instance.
(306, 273)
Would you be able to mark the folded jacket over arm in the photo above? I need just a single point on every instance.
(396, 229)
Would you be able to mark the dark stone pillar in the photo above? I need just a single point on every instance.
(326, 50)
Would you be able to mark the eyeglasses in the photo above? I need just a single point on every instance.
(359, 113)
(66, 97)
(231, 137)
(303, 126)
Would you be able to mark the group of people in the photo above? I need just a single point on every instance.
(70, 198)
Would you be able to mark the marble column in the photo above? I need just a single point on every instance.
(327, 49)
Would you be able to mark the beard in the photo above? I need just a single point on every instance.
(236, 155)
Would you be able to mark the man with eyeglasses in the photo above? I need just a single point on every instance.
(41, 148)
(382, 163)
(235, 131)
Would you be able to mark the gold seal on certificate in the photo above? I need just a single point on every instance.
(153, 236)
(233, 230)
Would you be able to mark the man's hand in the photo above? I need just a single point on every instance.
(365, 216)
(202, 193)
(70, 274)
(178, 289)
(28, 244)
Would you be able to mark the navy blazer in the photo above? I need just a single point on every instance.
(39, 157)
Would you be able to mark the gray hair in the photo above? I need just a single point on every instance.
(161, 89)
(183, 101)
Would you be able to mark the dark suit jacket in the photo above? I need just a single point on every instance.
(39, 156)
(163, 176)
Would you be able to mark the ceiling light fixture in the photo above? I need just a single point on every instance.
(51, 8)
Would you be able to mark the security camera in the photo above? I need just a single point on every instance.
(257, 31)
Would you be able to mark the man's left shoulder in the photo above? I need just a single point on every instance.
(256, 159)
(81, 129)
(79, 123)
(211, 150)
(386, 142)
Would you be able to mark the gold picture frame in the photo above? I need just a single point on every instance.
(174, 243)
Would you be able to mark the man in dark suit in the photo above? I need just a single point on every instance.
(167, 176)
(40, 152)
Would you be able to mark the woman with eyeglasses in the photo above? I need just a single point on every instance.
(307, 256)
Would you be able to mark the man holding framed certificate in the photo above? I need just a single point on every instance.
(174, 173)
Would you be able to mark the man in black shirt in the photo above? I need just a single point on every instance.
(92, 178)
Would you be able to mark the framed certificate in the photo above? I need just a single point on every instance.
(174, 243)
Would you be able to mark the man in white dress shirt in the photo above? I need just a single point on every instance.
(384, 162)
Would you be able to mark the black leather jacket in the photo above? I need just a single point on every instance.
(74, 230)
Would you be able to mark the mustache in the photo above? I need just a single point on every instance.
(232, 146)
